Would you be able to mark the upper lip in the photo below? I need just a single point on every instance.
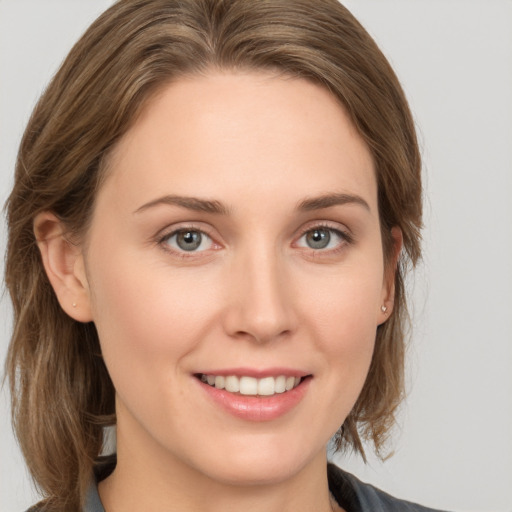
(258, 373)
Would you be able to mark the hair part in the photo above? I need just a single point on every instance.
(62, 395)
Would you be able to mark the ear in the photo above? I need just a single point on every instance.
(388, 286)
(64, 266)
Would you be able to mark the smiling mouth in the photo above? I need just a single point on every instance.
(251, 386)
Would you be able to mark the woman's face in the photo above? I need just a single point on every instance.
(236, 243)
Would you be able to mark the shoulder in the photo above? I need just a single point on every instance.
(356, 496)
(103, 467)
(92, 502)
(39, 507)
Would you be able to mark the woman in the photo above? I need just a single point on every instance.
(215, 202)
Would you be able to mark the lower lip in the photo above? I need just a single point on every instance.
(257, 408)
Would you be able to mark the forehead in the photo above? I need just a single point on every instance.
(252, 131)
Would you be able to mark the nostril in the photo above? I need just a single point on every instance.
(263, 334)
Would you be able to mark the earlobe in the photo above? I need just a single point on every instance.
(64, 265)
(388, 288)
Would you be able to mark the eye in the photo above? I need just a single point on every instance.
(321, 238)
(188, 240)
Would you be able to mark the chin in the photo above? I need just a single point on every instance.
(259, 465)
(249, 474)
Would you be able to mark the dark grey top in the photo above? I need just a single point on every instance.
(351, 494)
(356, 496)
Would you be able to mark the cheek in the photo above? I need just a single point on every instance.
(346, 304)
(342, 317)
(341, 322)
(148, 319)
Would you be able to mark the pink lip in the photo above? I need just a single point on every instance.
(256, 408)
(257, 374)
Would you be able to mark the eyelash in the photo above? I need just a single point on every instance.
(344, 236)
(163, 241)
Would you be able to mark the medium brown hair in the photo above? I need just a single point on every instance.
(62, 395)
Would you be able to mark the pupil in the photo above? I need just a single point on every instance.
(188, 240)
(318, 238)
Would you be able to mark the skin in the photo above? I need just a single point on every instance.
(254, 294)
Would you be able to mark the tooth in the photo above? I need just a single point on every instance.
(232, 384)
(290, 382)
(280, 385)
(219, 382)
(266, 386)
(248, 386)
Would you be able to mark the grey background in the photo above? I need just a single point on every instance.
(453, 446)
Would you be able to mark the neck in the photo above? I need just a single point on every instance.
(149, 480)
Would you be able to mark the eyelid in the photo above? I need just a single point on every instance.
(170, 231)
(342, 231)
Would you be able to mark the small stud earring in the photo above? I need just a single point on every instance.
(383, 309)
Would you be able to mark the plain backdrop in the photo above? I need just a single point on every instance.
(453, 446)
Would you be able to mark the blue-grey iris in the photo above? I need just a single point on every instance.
(318, 238)
(189, 240)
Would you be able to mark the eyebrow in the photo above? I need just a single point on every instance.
(191, 203)
(216, 207)
(328, 200)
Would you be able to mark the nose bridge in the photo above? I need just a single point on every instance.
(260, 306)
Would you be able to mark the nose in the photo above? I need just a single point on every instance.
(260, 305)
